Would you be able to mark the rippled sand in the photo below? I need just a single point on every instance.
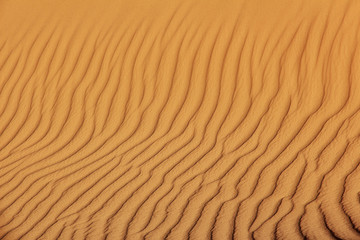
(182, 119)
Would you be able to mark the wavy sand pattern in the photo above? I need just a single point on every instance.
(135, 119)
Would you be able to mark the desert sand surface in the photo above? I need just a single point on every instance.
(181, 119)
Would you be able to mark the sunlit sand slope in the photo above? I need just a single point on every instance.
(188, 119)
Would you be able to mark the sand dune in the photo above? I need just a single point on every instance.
(179, 119)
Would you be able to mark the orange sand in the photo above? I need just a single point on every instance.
(183, 119)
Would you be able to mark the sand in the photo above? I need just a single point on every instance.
(182, 119)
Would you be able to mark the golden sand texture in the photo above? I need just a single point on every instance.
(182, 119)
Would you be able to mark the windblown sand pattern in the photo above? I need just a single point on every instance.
(184, 119)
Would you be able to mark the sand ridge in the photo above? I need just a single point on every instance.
(179, 119)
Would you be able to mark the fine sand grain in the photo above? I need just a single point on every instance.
(180, 119)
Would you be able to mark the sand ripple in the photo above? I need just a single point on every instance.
(179, 119)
